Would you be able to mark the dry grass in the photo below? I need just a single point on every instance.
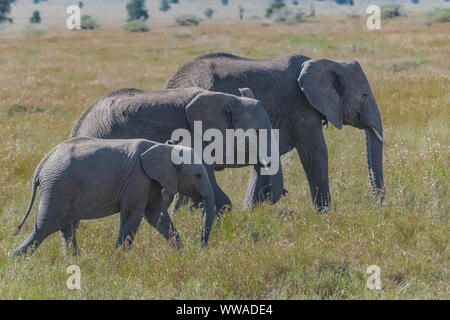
(285, 251)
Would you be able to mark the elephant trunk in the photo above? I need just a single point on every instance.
(209, 214)
(375, 160)
(276, 185)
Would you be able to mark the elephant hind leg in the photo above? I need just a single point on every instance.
(130, 219)
(69, 237)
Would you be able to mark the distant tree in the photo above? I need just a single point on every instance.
(224, 2)
(275, 7)
(174, 1)
(415, 1)
(5, 9)
(312, 11)
(209, 13)
(241, 12)
(295, 2)
(35, 17)
(136, 10)
(165, 5)
(344, 2)
(80, 4)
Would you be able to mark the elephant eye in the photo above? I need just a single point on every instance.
(364, 97)
(229, 117)
(198, 176)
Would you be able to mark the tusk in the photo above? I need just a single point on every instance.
(265, 163)
(379, 136)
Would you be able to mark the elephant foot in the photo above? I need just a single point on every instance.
(380, 195)
(175, 242)
(219, 215)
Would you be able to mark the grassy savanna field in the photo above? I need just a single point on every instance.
(283, 251)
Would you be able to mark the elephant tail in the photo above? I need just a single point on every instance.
(33, 196)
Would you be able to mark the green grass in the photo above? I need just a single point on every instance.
(284, 251)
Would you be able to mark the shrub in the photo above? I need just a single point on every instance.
(33, 31)
(187, 20)
(87, 23)
(136, 26)
(288, 16)
(439, 15)
(390, 11)
(18, 108)
(35, 17)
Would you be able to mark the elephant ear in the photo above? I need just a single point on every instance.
(323, 85)
(158, 165)
(213, 109)
(247, 93)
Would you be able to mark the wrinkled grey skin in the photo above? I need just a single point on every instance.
(299, 95)
(154, 115)
(86, 178)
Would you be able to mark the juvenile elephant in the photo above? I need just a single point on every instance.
(155, 115)
(299, 95)
(87, 178)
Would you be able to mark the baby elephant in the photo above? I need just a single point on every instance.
(88, 178)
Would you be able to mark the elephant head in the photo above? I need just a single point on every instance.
(164, 164)
(341, 93)
(221, 111)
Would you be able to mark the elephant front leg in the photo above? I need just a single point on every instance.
(156, 214)
(313, 155)
(222, 201)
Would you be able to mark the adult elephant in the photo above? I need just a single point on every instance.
(155, 115)
(299, 95)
